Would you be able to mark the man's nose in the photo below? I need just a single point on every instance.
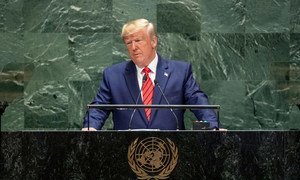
(133, 45)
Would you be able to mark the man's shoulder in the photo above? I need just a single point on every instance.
(176, 63)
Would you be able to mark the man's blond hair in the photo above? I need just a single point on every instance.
(136, 25)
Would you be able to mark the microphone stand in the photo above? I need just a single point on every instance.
(136, 102)
(171, 109)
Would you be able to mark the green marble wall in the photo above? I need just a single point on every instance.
(245, 55)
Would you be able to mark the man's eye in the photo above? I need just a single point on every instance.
(129, 42)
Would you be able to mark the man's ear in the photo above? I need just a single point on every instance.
(154, 42)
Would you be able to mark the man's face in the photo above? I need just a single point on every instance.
(141, 47)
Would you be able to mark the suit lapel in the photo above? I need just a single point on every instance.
(133, 86)
(163, 74)
(131, 80)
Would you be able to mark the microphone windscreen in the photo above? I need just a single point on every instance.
(144, 78)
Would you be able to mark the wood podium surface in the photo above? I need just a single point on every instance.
(142, 154)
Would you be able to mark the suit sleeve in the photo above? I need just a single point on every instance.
(98, 117)
(195, 96)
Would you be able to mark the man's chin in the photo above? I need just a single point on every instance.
(139, 62)
(138, 58)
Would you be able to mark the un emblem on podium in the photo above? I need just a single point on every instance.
(152, 157)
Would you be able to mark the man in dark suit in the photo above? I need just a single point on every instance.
(132, 82)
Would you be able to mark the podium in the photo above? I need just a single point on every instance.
(120, 155)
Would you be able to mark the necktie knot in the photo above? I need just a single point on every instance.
(146, 70)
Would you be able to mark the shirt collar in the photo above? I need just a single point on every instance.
(152, 66)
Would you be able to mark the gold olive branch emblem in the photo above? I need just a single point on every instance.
(142, 174)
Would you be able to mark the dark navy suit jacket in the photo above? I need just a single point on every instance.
(120, 86)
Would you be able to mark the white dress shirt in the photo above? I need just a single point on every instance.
(152, 66)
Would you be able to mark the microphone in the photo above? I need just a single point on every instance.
(136, 102)
(171, 109)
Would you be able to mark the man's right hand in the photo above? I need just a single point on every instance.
(89, 129)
